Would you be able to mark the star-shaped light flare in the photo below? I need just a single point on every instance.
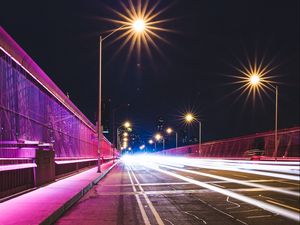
(140, 26)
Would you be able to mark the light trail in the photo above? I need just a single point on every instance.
(286, 171)
(281, 170)
(246, 183)
(266, 206)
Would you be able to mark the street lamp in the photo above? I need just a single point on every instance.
(189, 118)
(139, 26)
(127, 125)
(113, 120)
(159, 137)
(151, 142)
(255, 81)
(169, 130)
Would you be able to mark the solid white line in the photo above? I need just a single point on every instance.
(142, 210)
(153, 210)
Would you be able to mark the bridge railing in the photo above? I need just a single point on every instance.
(288, 146)
(34, 115)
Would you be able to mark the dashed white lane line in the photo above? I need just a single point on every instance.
(262, 216)
(142, 210)
(153, 210)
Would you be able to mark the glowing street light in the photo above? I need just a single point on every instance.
(138, 25)
(159, 137)
(169, 130)
(127, 124)
(189, 118)
(255, 81)
(150, 142)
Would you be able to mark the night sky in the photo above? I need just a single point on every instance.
(192, 73)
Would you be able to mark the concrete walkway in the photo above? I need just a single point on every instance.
(46, 204)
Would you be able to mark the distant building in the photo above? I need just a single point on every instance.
(160, 124)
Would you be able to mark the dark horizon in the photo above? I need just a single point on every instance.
(192, 74)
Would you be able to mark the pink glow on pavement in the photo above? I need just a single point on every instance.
(34, 207)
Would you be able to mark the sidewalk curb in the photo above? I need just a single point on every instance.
(60, 211)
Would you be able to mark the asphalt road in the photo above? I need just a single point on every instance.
(137, 193)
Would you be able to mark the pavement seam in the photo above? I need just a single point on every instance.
(60, 211)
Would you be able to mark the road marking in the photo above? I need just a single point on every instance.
(191, 214)
(236, 204)
(142, 210)
(187, 183)
(286, 206)
(231, 216)
(266, 206)
(262, 216)
(247, 211)
(153, 210)
(179, 191)
(169, 221)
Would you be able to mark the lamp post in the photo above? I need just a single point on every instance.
(159, 137)
(151, 143)
(169, 131)
(189, 118)
(255, 81)
(138, 27)
(114, 112)
(126, 125)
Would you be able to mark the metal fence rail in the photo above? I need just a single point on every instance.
(288, 145)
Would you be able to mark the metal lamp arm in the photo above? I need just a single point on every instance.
(114, 31)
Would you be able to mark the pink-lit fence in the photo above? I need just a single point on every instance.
(288, 145)
(36, 118)
(33, 109)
